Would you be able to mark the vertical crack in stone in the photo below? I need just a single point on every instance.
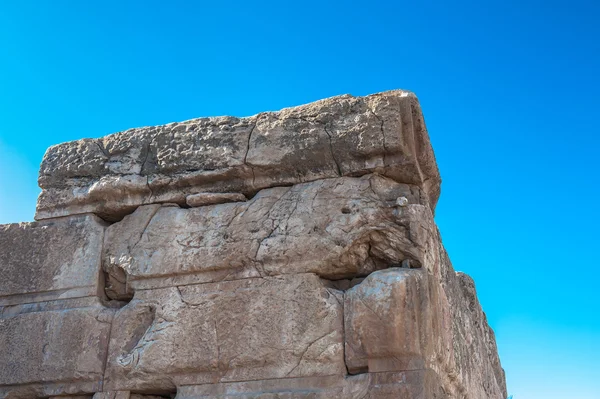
(103, 278)
(337, 164)
(250, 138)
(145, 161)
(383, 138)
(155, 211)
(343, 304)
(246, 163)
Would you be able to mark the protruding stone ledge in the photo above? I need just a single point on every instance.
(340, 136)
(55, 259)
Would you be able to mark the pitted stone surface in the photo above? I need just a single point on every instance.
(290, 254)
(344, 135)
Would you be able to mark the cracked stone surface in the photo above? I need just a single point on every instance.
(345, 135)
(250, 329)
(290, 254)
(336, 228)
(41, 351)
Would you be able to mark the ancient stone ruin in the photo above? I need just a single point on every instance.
(290, 254)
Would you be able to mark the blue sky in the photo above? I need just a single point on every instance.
(510, 95)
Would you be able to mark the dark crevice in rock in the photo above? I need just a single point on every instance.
(114, 217)
(358, 370)
(344, 284)
(252, 193)
(145, 161)
(102, 149)
(115, 288)
(109, 287)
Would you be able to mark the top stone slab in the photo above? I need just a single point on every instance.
(340, 136)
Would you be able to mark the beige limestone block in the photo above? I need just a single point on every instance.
(336, 228)
(49, 260)
(54, 352)
(383, 322)
(257, 328)
(340, 136)
(403, 319)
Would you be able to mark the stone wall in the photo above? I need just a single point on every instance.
(290, 254)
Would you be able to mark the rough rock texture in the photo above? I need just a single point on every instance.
(48, 260)
(351, 227)
(340, 136)
(54, 351)
(249, 329)
(290, 254)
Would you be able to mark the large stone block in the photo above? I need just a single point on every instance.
(49, 260)
(258, 328)
(402, 319)
(53, 352)
(336, 228)
(384, 325)
(339, 136)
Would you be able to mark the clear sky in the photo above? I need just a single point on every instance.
(510, 92)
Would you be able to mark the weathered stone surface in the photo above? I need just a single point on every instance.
(202, 199)
(53, 352)
(344, 135)
(417, 384)
(291, 254)
(49, 260)
(264, 328)
(336, 228)
(476, 358)
(383, 322)
(406, 319)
